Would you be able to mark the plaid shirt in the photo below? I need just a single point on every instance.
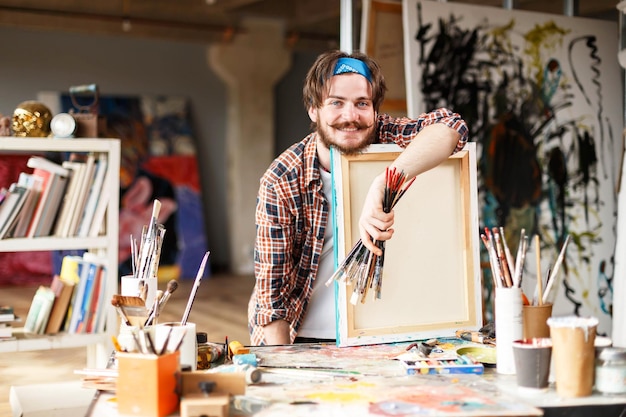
(291, 218)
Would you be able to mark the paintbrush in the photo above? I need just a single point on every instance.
(194, 290)
(118, 306)
(132, 307)
(539, 280)
(507, 253)
(504, 267)
(553, 275)
(519, 266)
(172, 285)
(166, 341)
(148, 242)
(143, 290)
(493, 260)
(154, 310)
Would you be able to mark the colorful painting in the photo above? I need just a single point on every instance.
(158, 162)
(537, 92)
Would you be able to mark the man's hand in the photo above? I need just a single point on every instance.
(277, 333)
(374, 223)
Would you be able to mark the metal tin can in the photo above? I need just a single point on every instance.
(611, 370)
(209, 354)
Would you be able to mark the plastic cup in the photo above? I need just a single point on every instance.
(532, 362)
(573, 353)
(535, 320)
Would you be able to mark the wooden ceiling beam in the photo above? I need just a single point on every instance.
(107, 25)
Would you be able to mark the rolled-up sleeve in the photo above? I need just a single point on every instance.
(401, 131)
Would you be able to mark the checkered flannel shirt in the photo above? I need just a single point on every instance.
(291, 217)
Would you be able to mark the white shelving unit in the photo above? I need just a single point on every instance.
(99, 346)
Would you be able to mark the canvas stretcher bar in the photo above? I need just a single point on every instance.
(431, 276)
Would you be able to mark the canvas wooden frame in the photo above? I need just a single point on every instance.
(382, 39)
(431, 277)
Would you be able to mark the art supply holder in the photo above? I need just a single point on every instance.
(535, 320)
(147, 384)
(174, 333)
(509, 326)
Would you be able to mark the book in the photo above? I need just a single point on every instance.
(95, 193)
(6, 313)
(54, 178)
(6, 331)
(83, 304)
(68, 205)
(34, 184)
(98, 223)
(84, 292)
(83, 191)
(39, 311)
(71, 271)
(97, 306)
(62, 297)
(11, 207)
(3, 192)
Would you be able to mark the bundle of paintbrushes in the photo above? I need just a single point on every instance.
(508, 272)
(505, 271)
(362, 268)
(145, 260)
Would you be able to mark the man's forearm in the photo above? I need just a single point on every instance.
(430, 147)
(277, 333)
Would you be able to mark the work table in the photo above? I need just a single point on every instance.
(321, 379)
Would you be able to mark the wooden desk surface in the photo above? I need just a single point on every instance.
(314, 380)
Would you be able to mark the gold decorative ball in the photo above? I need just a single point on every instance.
(31, 119)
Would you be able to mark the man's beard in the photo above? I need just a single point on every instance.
(346, 150)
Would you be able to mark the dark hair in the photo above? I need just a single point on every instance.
(315, 85)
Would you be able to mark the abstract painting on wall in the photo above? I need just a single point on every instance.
(542, 95)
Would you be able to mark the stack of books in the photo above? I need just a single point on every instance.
(64, 200)
(7, 316)
(74, 300)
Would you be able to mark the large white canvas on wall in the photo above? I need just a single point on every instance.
(542, 95)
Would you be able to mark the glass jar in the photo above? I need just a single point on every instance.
(611, 371)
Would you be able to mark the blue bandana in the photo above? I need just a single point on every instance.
(354, 65)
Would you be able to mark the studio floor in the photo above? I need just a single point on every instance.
(220, 310)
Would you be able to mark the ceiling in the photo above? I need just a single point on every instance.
(308, 23)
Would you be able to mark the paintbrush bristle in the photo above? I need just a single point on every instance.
(126, 300)
(172, 285)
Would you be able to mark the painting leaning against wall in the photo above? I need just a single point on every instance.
(539, 94)
(158, 161)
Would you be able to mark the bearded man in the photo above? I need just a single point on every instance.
(293, 253)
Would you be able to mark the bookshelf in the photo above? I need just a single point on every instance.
(105, 245)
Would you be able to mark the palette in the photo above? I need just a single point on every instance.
(484, 355)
